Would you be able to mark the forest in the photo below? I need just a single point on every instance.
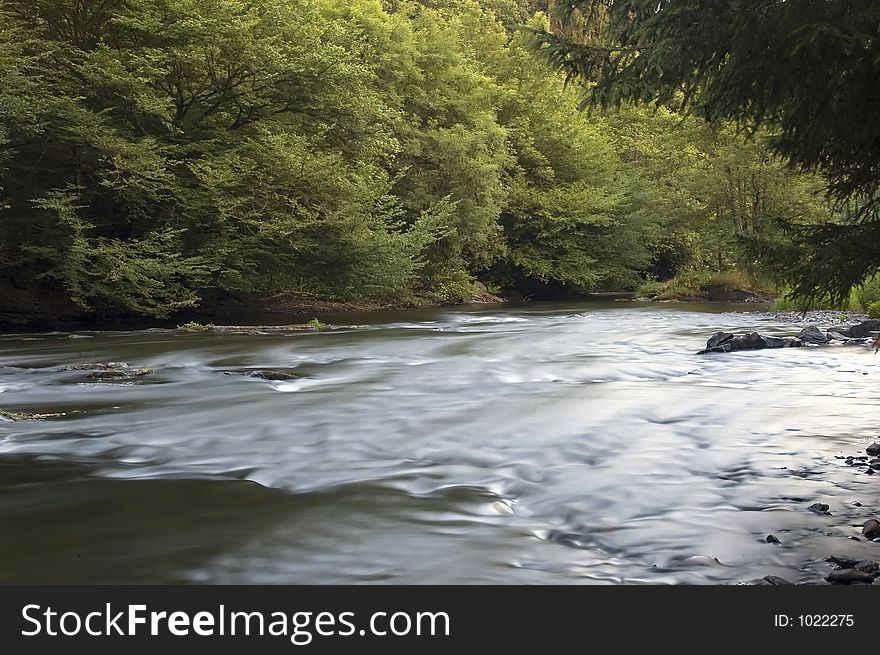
(159, 156)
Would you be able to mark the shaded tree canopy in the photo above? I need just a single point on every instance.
(808, 72)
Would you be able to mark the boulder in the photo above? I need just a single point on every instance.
(871, 529)
(724, 342)
(718, 338)
(813, 335)
(864, 332)
(775, 580)
(849, 576)
(864, 329)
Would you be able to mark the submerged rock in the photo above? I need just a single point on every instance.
(13, 417)
(109, 371)
(97, 366)
(119, 373)
(819, 508)
(873, 449)
(275, 376)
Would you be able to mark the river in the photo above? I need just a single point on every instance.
(538, 443)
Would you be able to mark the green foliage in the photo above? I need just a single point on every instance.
(805, 72)
(316, 324)
(869, 292)
(194, 326)
(701, 283)
(793, 303)
(156, 152)
(451, 285)
(874, 309)
(650, 289)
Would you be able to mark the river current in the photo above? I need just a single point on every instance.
(524, 444)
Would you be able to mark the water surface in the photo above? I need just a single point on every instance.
(579, 443)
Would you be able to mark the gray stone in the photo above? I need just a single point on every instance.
(819, 508)
(843, 562)
(865, 328)
(772, 539)
(873, 449)
(776, 580)
(849, 576)
(813, 335)
(871, 528)
(275, 376)
(718, 338)
(867, 566)
(725, 343)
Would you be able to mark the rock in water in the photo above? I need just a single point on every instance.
(843, 562)
(275, 376)
(724, 342)
(772, 539)
(776, 580)
(871, 529)
(873, 449)
(718, 338)
(849, 576)
(820, 508)
(863, 329)
(813, 335)
(867, 566)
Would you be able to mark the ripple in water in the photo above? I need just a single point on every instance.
(573, 444)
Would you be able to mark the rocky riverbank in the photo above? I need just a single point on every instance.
(858, 329)
(862, 332)
(846, 570)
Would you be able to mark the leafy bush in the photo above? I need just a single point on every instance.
(650, 289)
(869, 292)
(790, 303)
(874, 309)
(451, 285)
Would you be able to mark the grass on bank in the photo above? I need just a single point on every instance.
(697, 284)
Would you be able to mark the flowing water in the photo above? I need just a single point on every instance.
(509, 444)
